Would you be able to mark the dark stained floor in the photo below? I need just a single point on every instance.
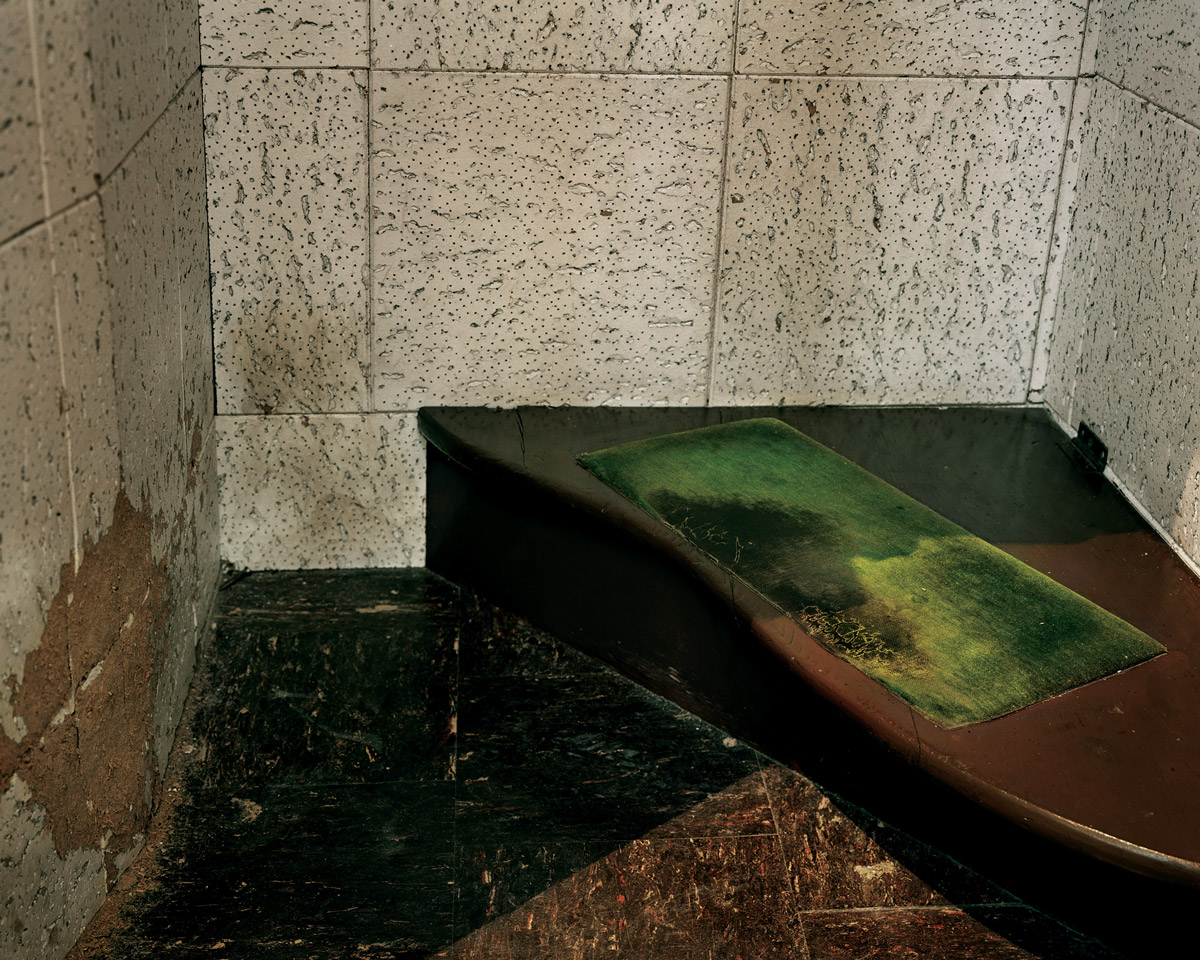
(380, 765)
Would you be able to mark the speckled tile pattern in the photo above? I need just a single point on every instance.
(193, 575)
(286, 33)
(61, 44)
(1124, 356)
(321, 491)
(137, 69)
(287, 182)
(565, 253)
(190, 242)
(154, 235)
(1064, 220)
(634, 36)
(904, 269)
(35, 504)
(284, 717)
(87, 347)
(21, 201)
(1149, 47)
(911, 37)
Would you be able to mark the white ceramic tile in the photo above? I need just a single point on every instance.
(36, 533)
(21, 200)
(1126, 352)
(1152, 47)
(301, 492)
(81, 285)
(288, 218)
(1040, 38)
(885, 241)
(65, 77)
(543, 239)
(639, 36)
(285, 33)
(142, 53)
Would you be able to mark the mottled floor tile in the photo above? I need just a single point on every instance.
(274, 594)
(495, 643)
(354, 681)
(312, 820)
(993, 934)
(665, 899)
(585, 758)
(302, 873)
(839, 856)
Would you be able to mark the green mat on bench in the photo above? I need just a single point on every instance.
(953, 625)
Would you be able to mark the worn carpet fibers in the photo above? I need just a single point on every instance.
(956, 627)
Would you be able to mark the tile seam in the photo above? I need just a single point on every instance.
(369, 199)
(1178, 117)
(1042, 329)
(714, 322)
(787, 870)
(39, 114)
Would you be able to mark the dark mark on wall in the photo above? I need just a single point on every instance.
(88, 693)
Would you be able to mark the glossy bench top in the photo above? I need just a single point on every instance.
(1111, 768)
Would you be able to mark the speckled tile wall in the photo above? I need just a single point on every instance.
(1126, 355)
(968, 38)
(287, 174)
(331, 491)
(108, 507)
(622, 202)
(559, 251)
(1149, 47)
(885, 242)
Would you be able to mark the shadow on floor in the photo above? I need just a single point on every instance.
(379, 765)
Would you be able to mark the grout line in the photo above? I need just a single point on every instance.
(64, 407)
(1042, 328)
(208, 229)
(706, 75)
(1083, 40)
(1195, 125)
(38, 92)
(925, 907)
(411, 411)
(294, 67)
(369, 198)
(787, 870)
(212, 313)
(458, 636)
(714, 321)
(146, 133)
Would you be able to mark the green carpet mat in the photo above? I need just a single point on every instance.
(953, 625)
